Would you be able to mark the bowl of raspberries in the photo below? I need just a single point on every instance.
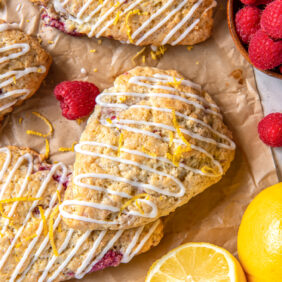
(256, 28)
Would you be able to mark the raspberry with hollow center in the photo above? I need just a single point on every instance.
(77, 98)
(247, 22)
(265, 53)
(271, 19)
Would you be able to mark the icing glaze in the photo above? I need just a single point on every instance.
(91, 258)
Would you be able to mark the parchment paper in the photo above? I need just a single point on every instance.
(214, 215)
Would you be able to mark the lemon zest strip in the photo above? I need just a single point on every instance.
(132, 200)
(51, 231)
(176, 126)
(48, 123)
(138, 54)
(129, 14)
(207, 169)
(71, 149)
(42, 214)
(19, 199)
(30, 237)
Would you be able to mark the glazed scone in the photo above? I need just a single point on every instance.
(140, 22)
(23, 66)
(35, 245)
(154, 141)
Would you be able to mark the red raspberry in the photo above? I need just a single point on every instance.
(247, 22)
(271, 19)
(270, 129)
(256, 2)
(265, 53)
(77, 98)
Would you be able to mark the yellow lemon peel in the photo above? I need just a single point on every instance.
(42, 214)
(133, 200)
(71, 149)
(30, 237)
(170, 139)
(128, 15)
(207, 169)
(117, 18)
(120, 143)
(51, 231)
(48, 123)
(137, 55)
(148, 152)
(176, 126)
(19, 199)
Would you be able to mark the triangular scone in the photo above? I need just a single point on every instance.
(35, 245)
(140, 22)
(23, 66)
(154, 141)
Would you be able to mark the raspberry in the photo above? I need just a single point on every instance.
(270, 129)
(265, 53)
(77, 98)
(271, 19)
(111, 258)
(247, 22)
(256, 2)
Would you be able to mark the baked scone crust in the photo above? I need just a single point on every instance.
(26, 253)
(140, 22)
(132, 165)
(23, 66)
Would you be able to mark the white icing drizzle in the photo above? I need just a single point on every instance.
(89, 260)
(154, 18)
(10, 77)
(8, 26)
(157, 82)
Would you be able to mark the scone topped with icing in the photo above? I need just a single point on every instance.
(154, 141)
(140, 22)
(23, 66)
(35, 245)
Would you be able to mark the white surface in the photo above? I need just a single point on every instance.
(270, 89)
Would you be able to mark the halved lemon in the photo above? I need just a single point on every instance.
(196, 262)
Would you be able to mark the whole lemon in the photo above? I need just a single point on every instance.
(260, 236)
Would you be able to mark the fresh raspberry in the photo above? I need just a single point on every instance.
(270, 129)
(271, 19)
(256, 2)
(247, 22)
(265, 53)
(111, 258)
(280, 69)
(77, 98)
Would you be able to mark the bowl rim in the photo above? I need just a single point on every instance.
(237, 41)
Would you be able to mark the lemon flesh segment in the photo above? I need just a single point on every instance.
(196, 262)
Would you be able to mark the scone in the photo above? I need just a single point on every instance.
(140, 22)
(23, 66)
(35, 245)
(154, 141)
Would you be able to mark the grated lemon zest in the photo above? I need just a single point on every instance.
(100, 41)
(95, 70)
(116, 18)
(109, 120)
(48, 123)
(148, 152)
(92, 50)
(122, 99)
(47, 149)
(169, 156)
(178, 153)
(144, 59)
(19, 199)
(117, 4)
(175, 83)
(176, 126)
(120, 143)
(1, 234)
(189, 48)
(170, 139)
(51, 231)
(207, 169)
(50, 42)
(139, 206)
(132, 200)
(59, 196)
(30, 237)
(18, 245)
(71, 149)
(45, 226)
(14, 80)
(20, 120)
(128, 15)
(153, 55)
(79, 121)
(137, 55)
(60, 227)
